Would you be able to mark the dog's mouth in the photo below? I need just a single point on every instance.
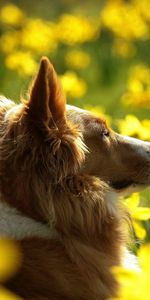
(122, 184)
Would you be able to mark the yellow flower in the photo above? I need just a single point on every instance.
(140, 99)
(73, 86)
(144, 258)
(39, 36)
(11, 14)
(139, 230)
(133, 127)
(6, 295)
(9, 41)
(138, 89)
(135, 285)
(124, 20)
(21, 62)
(9, 258)
(73, 29)
(77, 59)
(138, 214)
(143, 7)
(141, 72)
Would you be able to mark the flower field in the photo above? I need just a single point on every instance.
(101, 51)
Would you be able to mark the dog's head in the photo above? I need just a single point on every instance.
(43, 141)
(123, 162)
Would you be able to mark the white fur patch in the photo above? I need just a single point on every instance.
(14, 225)
(111, 201)
(6, 102)
(12, 111)
(130, 261)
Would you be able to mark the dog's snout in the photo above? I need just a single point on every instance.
(139, 146)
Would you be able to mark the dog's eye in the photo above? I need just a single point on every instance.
(105, 133)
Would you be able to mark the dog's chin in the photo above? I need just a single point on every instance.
(126, 187)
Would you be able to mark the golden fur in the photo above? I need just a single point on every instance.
(48, 173)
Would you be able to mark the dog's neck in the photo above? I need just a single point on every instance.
(16, 226)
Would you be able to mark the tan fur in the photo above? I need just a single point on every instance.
(58, 170)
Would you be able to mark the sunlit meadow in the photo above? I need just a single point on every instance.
(101, 50)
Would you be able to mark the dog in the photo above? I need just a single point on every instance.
(61, 172)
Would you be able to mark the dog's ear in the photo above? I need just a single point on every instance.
(47, 100)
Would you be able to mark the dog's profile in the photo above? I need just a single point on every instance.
(61, 170)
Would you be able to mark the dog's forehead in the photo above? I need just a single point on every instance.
(85, 119)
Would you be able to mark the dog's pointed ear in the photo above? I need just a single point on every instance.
(47, 100)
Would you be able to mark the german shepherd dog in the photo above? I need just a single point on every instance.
(61, 171)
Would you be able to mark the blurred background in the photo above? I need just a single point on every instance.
(101, 51)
